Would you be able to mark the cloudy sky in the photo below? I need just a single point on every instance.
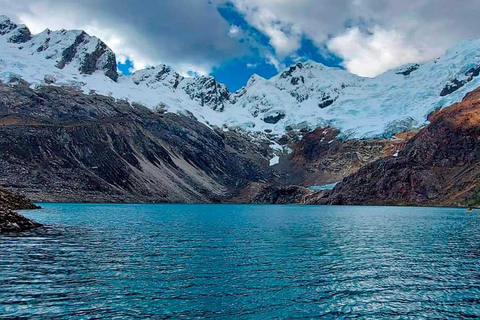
(236, 38)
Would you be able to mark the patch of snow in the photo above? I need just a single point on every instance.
(275, 160)
(329, 186)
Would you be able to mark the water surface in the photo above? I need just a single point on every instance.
(247, 262)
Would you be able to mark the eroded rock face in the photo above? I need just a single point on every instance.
(58, 144)
(439, 166)
(321, 158)
(11, 221)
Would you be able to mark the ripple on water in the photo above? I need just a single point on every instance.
(233, 261)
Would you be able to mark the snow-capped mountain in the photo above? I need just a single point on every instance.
(304, 95)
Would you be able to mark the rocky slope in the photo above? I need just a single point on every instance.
(58, 144)
(305, 95)
(265, 193)
(321, 158)
(439, 166)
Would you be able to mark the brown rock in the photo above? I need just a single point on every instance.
(439, 166)
(11, 221)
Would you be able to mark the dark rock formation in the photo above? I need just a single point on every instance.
(91, 62)
(440, 165)
(290, 70)
(274, 118)
(325, 103)
(6, 25)
(208, 92)
(281, 195)
(456, 84)
(264, 193)
(21, 35)
(58, 144)
(409, 69)
(14, 201)
(11, 221)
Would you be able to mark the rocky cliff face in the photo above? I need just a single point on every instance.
(266, 193)
(440, 165)
(320, 157)
(58, 144)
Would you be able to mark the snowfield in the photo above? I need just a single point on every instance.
(305, 95)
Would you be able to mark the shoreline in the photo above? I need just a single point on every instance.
(13, 222)
(253, 204)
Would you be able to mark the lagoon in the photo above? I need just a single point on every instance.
(242, 262)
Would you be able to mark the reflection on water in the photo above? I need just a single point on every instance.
(234, 261)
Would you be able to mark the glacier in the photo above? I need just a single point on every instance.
(303, 96)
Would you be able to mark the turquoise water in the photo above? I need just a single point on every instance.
(242, 262)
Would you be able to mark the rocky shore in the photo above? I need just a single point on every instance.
(13, 201)
(11, 221)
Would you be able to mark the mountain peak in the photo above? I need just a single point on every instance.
(75, 48)
(305, 95)
(17, 33)
(4, 18)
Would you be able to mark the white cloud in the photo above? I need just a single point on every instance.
(274, 62)
(283, 36)
(402, 31)
(234, 31)
(369, 54)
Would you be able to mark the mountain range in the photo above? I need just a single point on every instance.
(74, 129)
(305, 95)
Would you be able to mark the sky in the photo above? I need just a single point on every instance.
(234, 39)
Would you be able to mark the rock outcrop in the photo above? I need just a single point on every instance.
(439, 166)
(265, 193)
(10, 221)
(14, 201)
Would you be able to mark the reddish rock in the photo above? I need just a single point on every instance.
(439, 166)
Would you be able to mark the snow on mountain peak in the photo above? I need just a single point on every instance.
(304, 95)
(61, 48)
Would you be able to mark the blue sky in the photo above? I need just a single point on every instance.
(235, 73)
